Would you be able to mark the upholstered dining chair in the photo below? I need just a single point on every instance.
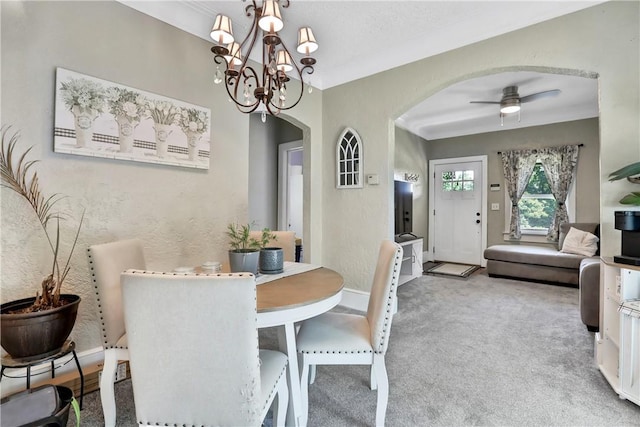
(350, 339)
(284, 239)
(106, 262)
(214, 373)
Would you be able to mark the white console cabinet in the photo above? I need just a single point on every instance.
(411, 260)
(618, 342)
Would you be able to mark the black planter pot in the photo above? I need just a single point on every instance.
(39, 334)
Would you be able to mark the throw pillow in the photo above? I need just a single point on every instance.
(580, 243)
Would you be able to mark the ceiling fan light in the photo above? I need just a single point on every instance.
(306, 41)
(510, 106)
(271, 20)
(222, 31)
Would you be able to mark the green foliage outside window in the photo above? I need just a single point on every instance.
(537, 206)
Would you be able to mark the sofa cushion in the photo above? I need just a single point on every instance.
(536, 255)
(591, 227)
(580, 243)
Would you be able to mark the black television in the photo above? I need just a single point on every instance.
(403, 207)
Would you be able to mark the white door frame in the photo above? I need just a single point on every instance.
(432, 164)
(283, 180)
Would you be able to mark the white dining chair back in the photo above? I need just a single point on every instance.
(106, 262)
(336, 338)
(284, 239)
(213, 373)
(382, 295)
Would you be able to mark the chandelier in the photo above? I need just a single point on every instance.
(247, 87)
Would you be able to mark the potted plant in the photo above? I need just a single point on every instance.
(271, 259)
(244, 254)
(37, 326)
(632, 173)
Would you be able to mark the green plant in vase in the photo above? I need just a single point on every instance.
(245, 249)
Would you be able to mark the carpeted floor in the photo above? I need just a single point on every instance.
(479, 351)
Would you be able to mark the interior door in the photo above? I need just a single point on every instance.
(290, 187)
(457, 212)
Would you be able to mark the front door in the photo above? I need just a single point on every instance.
(457, 214)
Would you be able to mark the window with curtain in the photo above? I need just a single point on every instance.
(539, 184)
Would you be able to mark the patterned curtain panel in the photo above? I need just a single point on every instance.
(517, 166)
(559, 164)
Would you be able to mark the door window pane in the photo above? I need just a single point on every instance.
(457, 180)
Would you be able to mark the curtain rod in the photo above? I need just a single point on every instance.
(579, 145)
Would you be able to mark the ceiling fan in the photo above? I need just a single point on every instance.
(511, 100)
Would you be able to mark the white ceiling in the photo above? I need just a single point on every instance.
(449, 113)
(361, 38)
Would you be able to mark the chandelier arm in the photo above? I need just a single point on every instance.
(248, 74)
(250, 39)
(251, 8)
(308, 69)
(243, 68)
(295, 65)
(235, 82)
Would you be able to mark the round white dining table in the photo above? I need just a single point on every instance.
(287, 300)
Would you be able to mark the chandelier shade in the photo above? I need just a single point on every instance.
(271, 20)
(222, 32)
(234, 54)
(306, 41)
(265, 85)
(284, 61)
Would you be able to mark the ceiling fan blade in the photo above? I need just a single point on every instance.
(484, 102)
(539, 95)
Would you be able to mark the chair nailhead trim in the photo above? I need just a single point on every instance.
(273, 389)
(95, 285)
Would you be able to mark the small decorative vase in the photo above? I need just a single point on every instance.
(192, 143)
(83, 120)
(125, 136)
(162, 134)
(271, 260)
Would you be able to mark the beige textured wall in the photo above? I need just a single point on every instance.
(411, 156)
(602, 40)
(574, 132)
(179, 213)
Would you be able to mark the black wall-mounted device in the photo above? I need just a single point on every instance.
(629, 223)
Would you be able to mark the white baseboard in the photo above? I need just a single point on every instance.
(15, 380)
(355, 299)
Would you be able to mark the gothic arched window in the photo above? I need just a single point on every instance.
(349, 160)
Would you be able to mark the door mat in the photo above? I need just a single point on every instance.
(450, 269)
